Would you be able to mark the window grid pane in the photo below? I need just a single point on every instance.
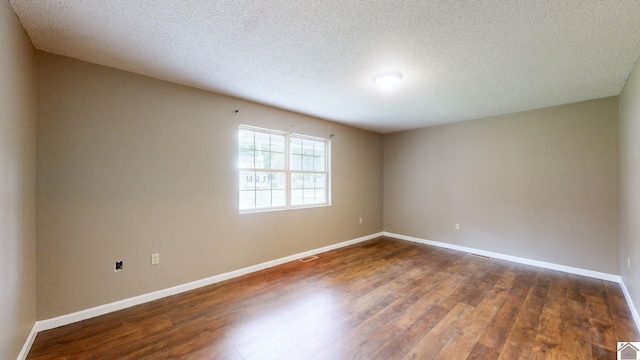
(247, 199)
(261, 151)
(307, 155)
(308, 188)
(262, 189)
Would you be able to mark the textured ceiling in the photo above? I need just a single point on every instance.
(460, 59)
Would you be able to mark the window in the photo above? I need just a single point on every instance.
(279, 170)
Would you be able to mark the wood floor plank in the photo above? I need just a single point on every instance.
(433, 341)
(492, 340)
(464, 340)
(551, 324)
(379, 299)
(521, 335)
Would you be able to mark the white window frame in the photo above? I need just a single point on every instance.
(287, 170)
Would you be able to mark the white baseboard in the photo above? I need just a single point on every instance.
(136, 300)
(27, 344)
(634, 311)
(516, 259)
(540, 264)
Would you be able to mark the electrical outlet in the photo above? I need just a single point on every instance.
(628, 262)
(360, 221)
(155, 259)
(118, 266)
(457, 226)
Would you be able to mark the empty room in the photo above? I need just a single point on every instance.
(319, 180)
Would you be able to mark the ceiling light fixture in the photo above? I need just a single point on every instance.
(387, 79)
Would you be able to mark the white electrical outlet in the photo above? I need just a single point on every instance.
(360, 221)
(155, 259)
(628, 262)
(457, 226)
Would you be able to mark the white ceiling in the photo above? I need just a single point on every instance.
(460, 59)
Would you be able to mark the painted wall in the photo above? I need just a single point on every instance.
(541, 184)
(629, 107)
(17, 184)
(129, 166)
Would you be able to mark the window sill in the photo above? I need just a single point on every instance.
(256, 211)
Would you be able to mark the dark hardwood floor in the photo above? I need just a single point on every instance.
(380, 299)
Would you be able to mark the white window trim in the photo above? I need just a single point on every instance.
(287, 171)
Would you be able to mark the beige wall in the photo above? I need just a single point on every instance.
(541, 184)
(630, 184)
(129, 166)
(17, 184)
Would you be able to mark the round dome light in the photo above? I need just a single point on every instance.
(387, 79)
